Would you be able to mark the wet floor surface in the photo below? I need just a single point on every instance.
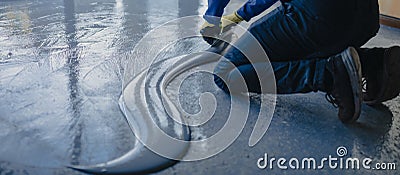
(61, 77)
(62, 73)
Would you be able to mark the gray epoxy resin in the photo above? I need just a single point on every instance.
(136, 104)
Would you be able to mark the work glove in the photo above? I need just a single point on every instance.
(210, 32)
(229, 21)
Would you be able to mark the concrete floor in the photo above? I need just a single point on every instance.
(61, 74)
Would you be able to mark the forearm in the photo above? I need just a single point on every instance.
(250, 9)
(215, 9)
(254, 7)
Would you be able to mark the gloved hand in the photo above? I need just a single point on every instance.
(210, 32)
(229, 21)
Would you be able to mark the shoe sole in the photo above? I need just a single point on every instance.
(391, 65)
(353, 66)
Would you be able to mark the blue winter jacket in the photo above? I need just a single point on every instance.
(250, 9)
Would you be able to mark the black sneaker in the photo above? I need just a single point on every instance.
(346, 91)
(381, 79)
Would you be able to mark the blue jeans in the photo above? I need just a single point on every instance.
(298, 38)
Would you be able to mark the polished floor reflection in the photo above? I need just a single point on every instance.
(61, 76)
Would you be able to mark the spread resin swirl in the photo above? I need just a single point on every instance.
(160, 124)
(139, 102)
